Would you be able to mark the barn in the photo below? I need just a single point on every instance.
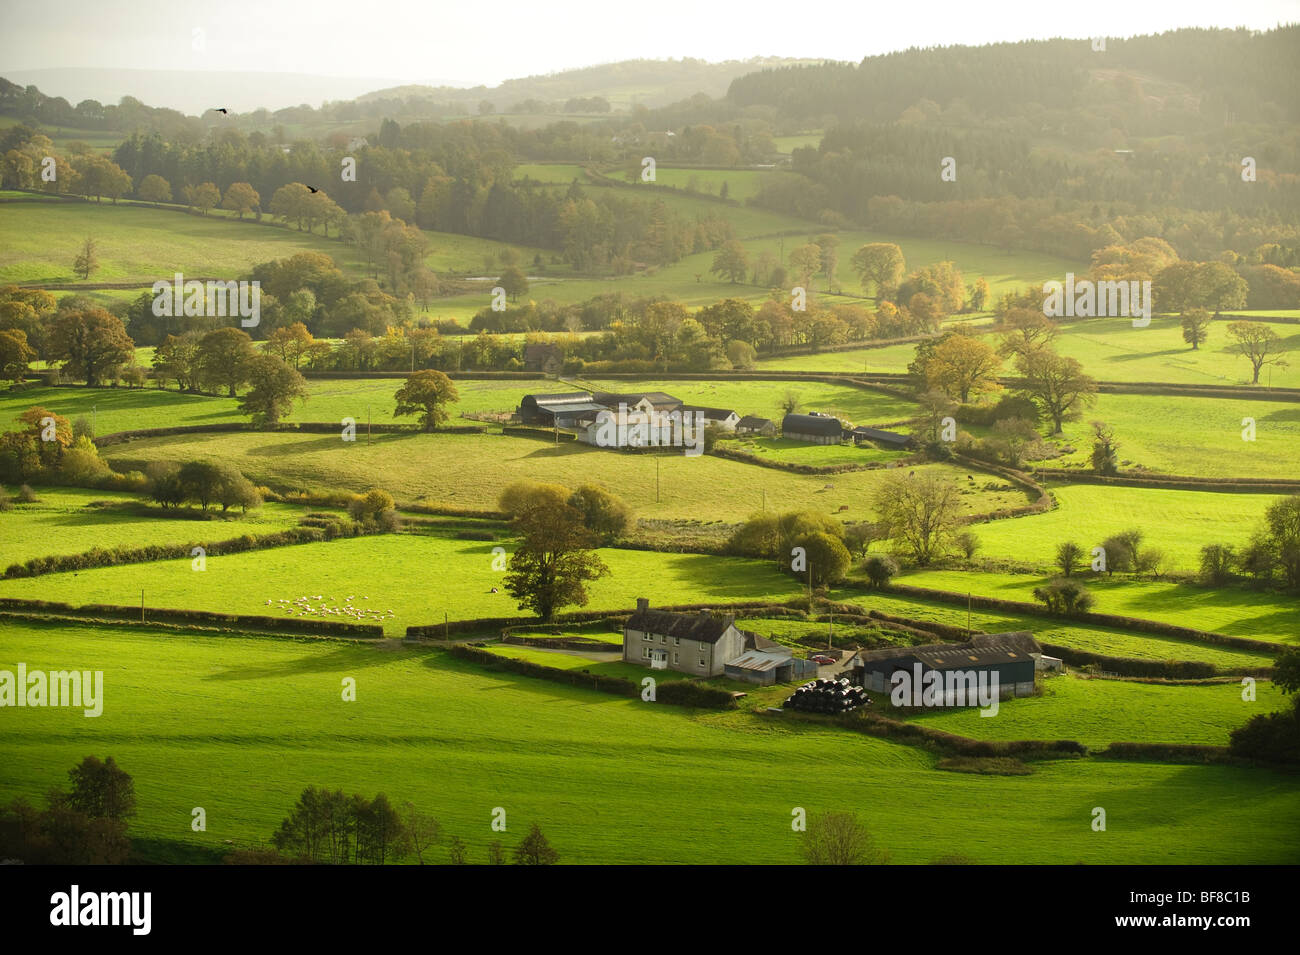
(1013, 656)
(814, 428)
(889, 439)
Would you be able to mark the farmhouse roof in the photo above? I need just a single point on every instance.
(659, 399)
(750, 421)
(700, 627)
(985, 649)
(715, 414)
(810, 424)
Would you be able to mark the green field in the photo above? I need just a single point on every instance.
(240, 726)
(1191, 436)
(418, 578)
(1099, 712)
(1110, 349)
(1179, 523)
(472, 470)
(1109, 641)
(73, 520)
(1239, 612)
(763, 398)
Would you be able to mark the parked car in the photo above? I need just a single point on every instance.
(821, 659)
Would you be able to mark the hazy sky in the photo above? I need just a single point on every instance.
(487, 42)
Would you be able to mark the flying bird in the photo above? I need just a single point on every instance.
(220, 109)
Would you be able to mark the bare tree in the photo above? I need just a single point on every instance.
(838, 838)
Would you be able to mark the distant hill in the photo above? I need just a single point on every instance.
(192, 92)
(649, 83)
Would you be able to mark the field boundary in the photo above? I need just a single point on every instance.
(1173, 482)
(140, 615)
(1116, 621)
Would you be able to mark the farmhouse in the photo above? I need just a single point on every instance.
(750, 424)
(1013, 656)
(724, 418)
(815, 428)
(643, 402)
(705, 645)
(542, 356)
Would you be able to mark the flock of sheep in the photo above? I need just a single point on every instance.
(304, 607)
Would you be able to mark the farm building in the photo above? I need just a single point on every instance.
(702, 644)
(814, 428)
(765, 427)
(891, 439)
(1013, 656)
(540, 409)
(541, 356)
(724, 418)
(643, 402)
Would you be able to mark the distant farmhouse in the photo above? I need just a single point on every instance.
(705, 645)
(541, 356)
(763, 427)
(1013, 656)
(580, 412)
(814, 428)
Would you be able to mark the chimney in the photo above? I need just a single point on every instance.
(642, 604)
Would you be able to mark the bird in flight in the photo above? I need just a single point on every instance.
(219, 109)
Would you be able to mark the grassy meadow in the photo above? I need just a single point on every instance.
(240, 726)
(419, 578)
(472, 470)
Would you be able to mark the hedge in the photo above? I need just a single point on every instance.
(1102, 619)
(80, 621)
(103, 557)
(873, 724)
(746, 458)
(549, 435)
(435, 630)
(1175, 482)
(690, 694)
(160, 614)
(1132, 666)
(303, 427)
(1169, 752)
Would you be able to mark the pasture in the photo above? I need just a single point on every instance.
(1239, 612)
(241, 726)
(1176, 522)
(1100, 712)
(419, 578)
(67, 520)
(472, 470)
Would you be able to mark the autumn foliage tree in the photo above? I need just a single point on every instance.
(426, 393)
